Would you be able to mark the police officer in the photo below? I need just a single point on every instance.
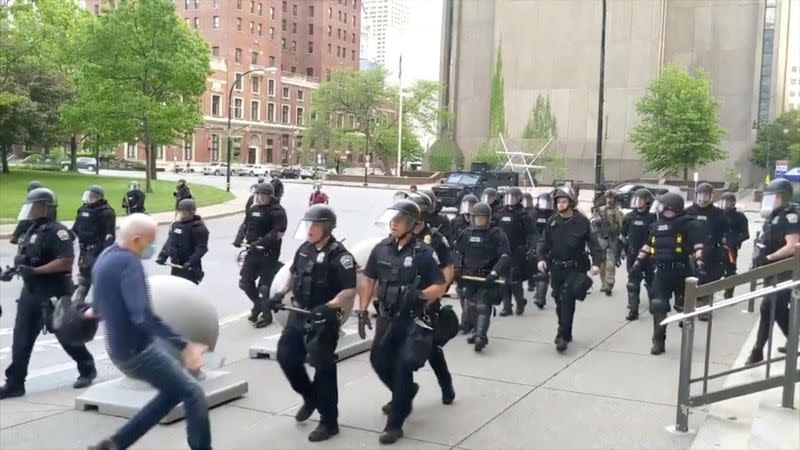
(262, 228)
(133, 201)
(520, 229)
(491, 197)
(542, 211)
(44, 262)
(323, 281)
(608, 222)
(779, 236)
(437, 220)
(674, 239)
(738, 232)
(528, 203)
(714, 224)
(249, 202)
(23, 225)
(409, 282)
(277, 186)
(634, 233)
(486, 253)
(95, 226)
(461, 222)
(186, 244)
(182, 191)
(562, 253)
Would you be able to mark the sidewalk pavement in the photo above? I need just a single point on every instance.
(606, 391)
(229, 208)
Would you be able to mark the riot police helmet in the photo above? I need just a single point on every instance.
(262, 193)
(611, 196)
(642, 198)
(321, 214)
(703, 194)
(405, 210)
(399, 195)
(437, 204)
(727, 200)
(424, 202)
(181, 182)
(39, 202)
(513, 196)
(778, 193)
(670, 204)
(527, 200)
(134, 186)
(93, 192)
(544, 201)
(480, 216)
(564, 192)
(34, 184)
(187, 204)
(489, 195)
(466, 203)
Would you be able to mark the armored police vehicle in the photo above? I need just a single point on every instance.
(473, 181)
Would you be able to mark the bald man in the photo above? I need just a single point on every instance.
(122, 300)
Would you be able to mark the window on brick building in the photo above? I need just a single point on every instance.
(272, 13)
(216, 105)
(294, 27)
(237, 55)
(339, 33)
(258, 29)
(237, 81)
(216, 3)
(329, 49)
(237, 108)
(96, 9)
(299, 117)
(252, 27)
(255, 110)
(345, 18)
(327, 74)
(283, 24)
(354, 4)
(310, 10)
(310, 47)
(300, 95)
(354, 38)
(284, 6)
(283, 43)
(214, 147)
(330, 13)
(269, 150)
(238, 4)
(160, 152)
(215, 22)
(270, 112)
(131, 151)
(187, 147)
(271, 88)
(353, 55)
(311, 29)
(215, 50)
(330, 30)
(255, 85)
(239, 24)
(271, 32)
(252, 7)
(260, 8)
(285, 115)
(354, 20)
(271, 61)
(254, 58)
(196, 4)
(286, 93)
(196, 23)
(309, 72)
(294, 69)
(294, 46)
(294, 10)
(185, 4)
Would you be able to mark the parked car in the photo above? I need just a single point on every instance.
(81, 162)
(473, 181)
(289, 172)
(34, 158)
(274, 173)
(308, 173)
(243, 170)
(215, 169)
(259, 171)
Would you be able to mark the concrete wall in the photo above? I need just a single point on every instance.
(552, 48)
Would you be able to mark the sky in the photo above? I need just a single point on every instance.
(421, 40)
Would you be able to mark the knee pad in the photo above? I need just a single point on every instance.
(483, 308)
(244, 285)
(633, 288)
(659, 306)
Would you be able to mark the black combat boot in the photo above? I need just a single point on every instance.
(506, 311)
(659, 335)
(323, 432)
(390, 435)
(387, 408)
(12, 390)
(521, 306)
(561, 344)
(466, 324)
(756, 356)
(541, 294)
(85, 380)
(264, 319)
(305, 411)
(482, 327)
(633, 306)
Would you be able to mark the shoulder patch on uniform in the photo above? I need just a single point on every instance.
(63, 235)
(427, 239)
(791, 218)
(346, 261)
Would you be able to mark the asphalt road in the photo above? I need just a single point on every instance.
(357, 208)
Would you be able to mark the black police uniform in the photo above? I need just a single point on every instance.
(182, 192)
(537, 280)
(395, 270)
(95, 227)
(186, 245)
(635, 231)
(714, 224)
(319, 275)
(520, 229)
(439, 222)
(563, 246)
(443, 255)
(263, 226)
(482, 251)
(737, 233)
(671, 241)
(458, 224)
(133, 202)
(277, 185)
(45, 241)
(780, 222)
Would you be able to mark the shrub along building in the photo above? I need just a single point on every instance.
(303, 40)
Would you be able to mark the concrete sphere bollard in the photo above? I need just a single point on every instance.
(185, 307)
(360, 252)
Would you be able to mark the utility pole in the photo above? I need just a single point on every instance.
(400, 118)
(598, 157)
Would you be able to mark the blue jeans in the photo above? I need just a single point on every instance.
(158, 368)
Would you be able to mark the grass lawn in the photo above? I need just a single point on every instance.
(69, 188)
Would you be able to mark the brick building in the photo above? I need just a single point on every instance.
(303, 40)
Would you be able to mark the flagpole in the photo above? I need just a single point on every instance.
(400, 117)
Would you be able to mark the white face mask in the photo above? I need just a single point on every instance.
(768, 203)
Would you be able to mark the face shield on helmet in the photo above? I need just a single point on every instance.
(393, 218)
(134, 186)
(465, 207)
(769, 201)
(727, 203)
(312, 231)
(656, 207)
(638, 202)
(511, 199)
(25, 212)
(544, 202)
(702, 199)
(89, 197)
(488, 197)
(261, 199)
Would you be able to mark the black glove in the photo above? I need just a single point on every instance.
(700, 270)
(760, 259)
(636, 270)
(320, 311)
(187, 267)
(276, 301)
(237, 244)
(161, 261)
(24, 271)
(7, 274)
(363, 323)
(492, 277)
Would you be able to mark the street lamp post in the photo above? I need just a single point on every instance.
(598, 162)
(236, 81)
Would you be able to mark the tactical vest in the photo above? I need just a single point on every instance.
(638, 229)
(32, 252)
(311, 287)
(182, 240)
(480, 254)
(668, 240)
(773, 234)
(88, 224)
(259, 222)
(395, 279)
(540, 217)
(511, 224)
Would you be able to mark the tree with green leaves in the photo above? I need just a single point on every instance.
(679, 128)
(539, 129)
(497, 115)
(141, 76)
(777, 140)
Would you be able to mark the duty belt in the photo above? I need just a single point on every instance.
(670, 265)
(563, 265)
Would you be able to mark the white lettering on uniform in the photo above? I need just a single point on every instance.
(178, 231)
(663, 227)
(256, 214)
(475, 239)
(702, 218)
(541, 220)
(791, 218)
(638, 222)
(85, 214)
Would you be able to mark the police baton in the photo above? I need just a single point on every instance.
(294, 309)
(484, 280)
(251, 246)
(175, 266)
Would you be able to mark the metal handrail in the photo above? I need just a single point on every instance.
(789, 284)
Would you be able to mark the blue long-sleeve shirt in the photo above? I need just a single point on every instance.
(122, 301)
